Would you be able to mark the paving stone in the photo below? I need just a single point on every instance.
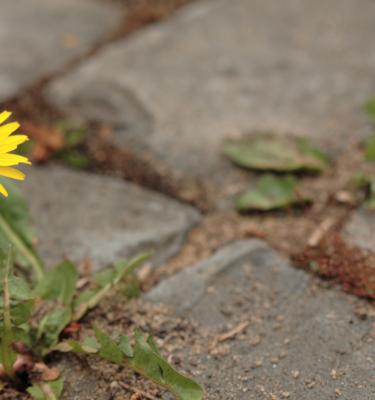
(302, 342)
(39, 36)
(221, 68)
(359, 230)
(80, 214)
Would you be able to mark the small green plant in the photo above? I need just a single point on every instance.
(37, 304)
(74, 138)
(264, 152)
(272, 192)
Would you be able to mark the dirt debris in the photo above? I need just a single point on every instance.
(335, 259)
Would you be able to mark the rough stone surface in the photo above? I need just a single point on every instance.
(359, 231)
(220, 68)
(39, 36)
(302, 341)
(80, 382)
(79, 214)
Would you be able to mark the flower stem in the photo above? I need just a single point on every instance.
(22, 248)
(8, 355)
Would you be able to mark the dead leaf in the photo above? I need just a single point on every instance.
(42, 372)
(73, 327)
(46, 139)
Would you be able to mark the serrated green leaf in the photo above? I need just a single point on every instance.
(125, 346)
(89, 345)
(59, 283)
(151, 342)
(47, 390)
(272, 192)
(144, 359)
(91, 342)
(151, 365)
(109, 349)
(52, 324)
(121, 270)
(75, 347)
(266, 152)
(15, 228)
(21, 312)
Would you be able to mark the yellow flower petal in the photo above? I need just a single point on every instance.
(3, 191)
(4, 116)
(12, 142)
(12, 173)
(9, 143)
(8, 129)
(7, 160)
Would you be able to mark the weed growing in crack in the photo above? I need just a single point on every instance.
(38, 305)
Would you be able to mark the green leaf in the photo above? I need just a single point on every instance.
(370, 108)
(91, 343)
(144, 359)
(74, 137)
(151, 342)
(149, 363)
(19, 289)
(266, 152)
(272, 192)
(107, 281)
(21, 312)
(7, 354)
(52, 324)
(369, 147)
(74, 158)
(47, 390)
(104, 276)
(109, 349)
(89, 346)
(125, 346)
(15, 228)
(59, 283)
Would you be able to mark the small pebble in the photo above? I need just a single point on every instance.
(295, 374)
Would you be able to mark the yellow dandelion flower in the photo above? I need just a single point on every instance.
(8, 143)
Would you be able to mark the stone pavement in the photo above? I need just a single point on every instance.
(38, 37)
(103, 218)
(175, 90)
(301, 342)
(220, 68)
(359, 230)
